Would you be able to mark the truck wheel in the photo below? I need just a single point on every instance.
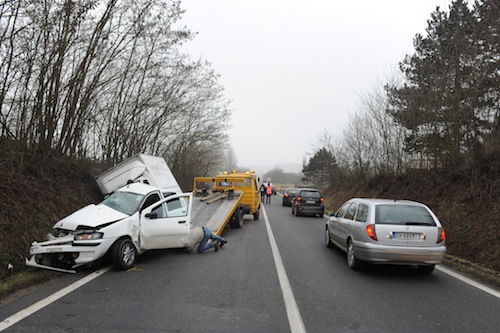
(237, 219)
(241, 218)
(124, 254)
(256, 215)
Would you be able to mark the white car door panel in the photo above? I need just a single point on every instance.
(167, 223)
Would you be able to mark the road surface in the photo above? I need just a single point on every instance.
(274, 275)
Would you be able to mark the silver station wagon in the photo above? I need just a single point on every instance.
(386, 231)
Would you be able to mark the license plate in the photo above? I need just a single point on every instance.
(309, 201)
(408, 235)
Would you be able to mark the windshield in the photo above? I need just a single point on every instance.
(403, 215)
(124, 202)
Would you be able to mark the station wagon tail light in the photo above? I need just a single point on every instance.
(297, 199)
(285, 195)
(321, 200)
(442, 235)
(370, 230)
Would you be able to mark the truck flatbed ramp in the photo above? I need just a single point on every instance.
(215, 210)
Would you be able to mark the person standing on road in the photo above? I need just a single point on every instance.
(269, 192)
(206, 239)
(262, 192)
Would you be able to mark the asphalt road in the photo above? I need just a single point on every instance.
(274, 275)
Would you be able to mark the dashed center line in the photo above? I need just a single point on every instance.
(292, 310)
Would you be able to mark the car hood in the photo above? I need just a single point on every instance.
(90, 216)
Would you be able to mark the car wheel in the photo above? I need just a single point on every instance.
(352, 261)
(296, 213)
(124, 254)
(328, 241)
(426, 268)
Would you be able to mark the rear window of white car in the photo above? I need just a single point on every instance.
(403, 215)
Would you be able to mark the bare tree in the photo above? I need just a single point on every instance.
(371, 144)
(105, 80)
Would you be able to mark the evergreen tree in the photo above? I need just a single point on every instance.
(444, 100)
(321, 169)
(488, 31)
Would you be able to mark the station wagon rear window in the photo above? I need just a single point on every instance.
(403, 215)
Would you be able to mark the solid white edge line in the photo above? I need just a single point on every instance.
(292, 310)
(6, 323)
(469, 281)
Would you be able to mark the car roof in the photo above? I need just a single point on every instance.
(308, 189)
(377, 201)
(138, 188)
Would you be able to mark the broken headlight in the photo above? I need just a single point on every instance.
(89, 236)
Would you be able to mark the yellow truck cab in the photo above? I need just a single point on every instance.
(234, 182)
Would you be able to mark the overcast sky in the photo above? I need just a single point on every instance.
(295, 69)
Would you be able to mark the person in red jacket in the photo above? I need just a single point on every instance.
(269, 192)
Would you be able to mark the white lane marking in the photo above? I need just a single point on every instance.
(6, 323)
(469, 281)
(292, 310)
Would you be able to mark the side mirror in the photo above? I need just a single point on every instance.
(152, 215)
(331, 214)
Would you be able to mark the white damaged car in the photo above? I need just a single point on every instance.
(134, 219)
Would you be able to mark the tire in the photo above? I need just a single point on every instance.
(328, 241)
(295, 211)
(236, 220)
(256, 215)
(124, 254)
(352, 261)
(426, 268)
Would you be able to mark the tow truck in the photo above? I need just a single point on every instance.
(243, 185)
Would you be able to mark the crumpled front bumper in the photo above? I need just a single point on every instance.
(65, 254)
(32, 263)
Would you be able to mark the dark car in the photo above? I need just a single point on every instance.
(289, 195)
(308, 201)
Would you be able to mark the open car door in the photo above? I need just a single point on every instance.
(166, 224)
